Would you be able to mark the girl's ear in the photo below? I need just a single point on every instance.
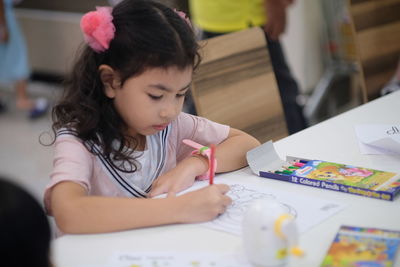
(110, 80)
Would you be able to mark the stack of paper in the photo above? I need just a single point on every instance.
(379, 138)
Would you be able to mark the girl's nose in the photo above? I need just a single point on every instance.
(169, 111)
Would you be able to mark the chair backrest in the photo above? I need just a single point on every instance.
(377, 30)
(235, 85)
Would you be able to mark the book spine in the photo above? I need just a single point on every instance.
(329, 185)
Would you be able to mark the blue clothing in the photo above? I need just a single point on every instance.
(13, 54)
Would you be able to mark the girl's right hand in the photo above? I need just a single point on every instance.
(204, 204)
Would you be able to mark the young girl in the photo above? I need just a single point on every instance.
(120, 127)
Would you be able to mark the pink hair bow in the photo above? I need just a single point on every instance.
(98, 29)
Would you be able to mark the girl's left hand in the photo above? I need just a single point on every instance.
(180, 177)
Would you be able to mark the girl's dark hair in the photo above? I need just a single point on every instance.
(25, 230)
(148, 34)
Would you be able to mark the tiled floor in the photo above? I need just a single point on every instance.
(22, 158)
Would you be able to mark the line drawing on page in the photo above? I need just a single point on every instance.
(242, 198)
(307, 210)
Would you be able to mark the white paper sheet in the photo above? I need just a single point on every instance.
(176, 259)
(379, 138)
(307, 210)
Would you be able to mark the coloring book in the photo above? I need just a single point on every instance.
(308, 210)
(358, 246)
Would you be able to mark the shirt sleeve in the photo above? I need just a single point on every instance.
(200, 130)
(72, 162)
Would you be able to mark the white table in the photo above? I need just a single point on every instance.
(332, 140)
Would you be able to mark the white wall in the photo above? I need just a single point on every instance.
(52, 38)
(302, 42)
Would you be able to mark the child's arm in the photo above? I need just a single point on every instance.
(230, 154)
(75, 212)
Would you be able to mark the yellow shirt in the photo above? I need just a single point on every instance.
(227, 15)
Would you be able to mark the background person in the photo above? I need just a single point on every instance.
(25, 230)
(14, 68)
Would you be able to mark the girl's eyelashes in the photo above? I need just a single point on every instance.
(155, 97)
(181, 95)
(158, 97)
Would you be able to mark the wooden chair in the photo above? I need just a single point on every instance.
(235, 85)
(377, 32)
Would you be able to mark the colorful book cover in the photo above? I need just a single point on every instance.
(348, 175)
(340, 177)
(363, 247)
